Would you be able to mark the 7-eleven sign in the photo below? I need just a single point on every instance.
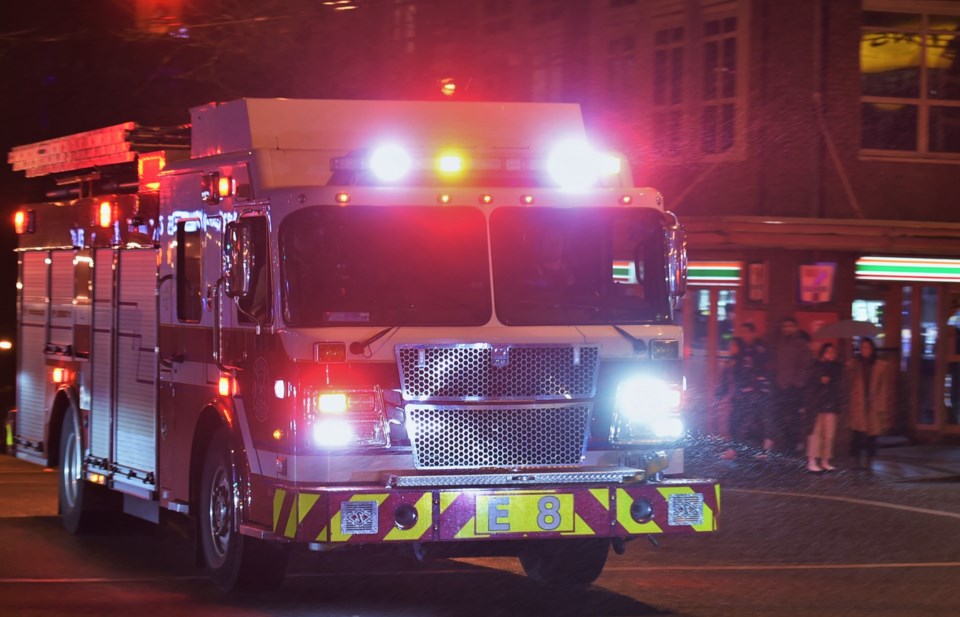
(816, 282)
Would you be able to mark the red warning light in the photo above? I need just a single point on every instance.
(105, 214)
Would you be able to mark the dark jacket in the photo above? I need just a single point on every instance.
(748, 370)
(824, 391)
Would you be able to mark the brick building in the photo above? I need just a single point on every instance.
(809, 146)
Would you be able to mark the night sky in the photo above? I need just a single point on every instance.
(74, 65)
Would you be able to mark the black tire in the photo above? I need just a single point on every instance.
(235, 562)
(75, 493)
(568, 563)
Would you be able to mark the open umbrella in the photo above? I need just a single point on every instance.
(847, 328)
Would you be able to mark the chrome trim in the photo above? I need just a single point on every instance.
(621, 475)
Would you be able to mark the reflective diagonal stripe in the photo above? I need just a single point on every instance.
(603, 496)
(354, 516)
(277, 506)
(284, 513)
(446, 500)
(305, 503)
(581, 528)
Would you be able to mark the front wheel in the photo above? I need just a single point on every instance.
(235, 562)
(565, 562)
(75, 494)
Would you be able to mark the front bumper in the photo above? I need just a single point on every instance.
(370, 515)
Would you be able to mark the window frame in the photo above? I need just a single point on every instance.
(670, 144)
(923, 102)
(737, 100)
(194, 312)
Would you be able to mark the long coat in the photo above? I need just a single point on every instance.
(878, 418)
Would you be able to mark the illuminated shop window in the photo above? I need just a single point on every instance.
(910, 83)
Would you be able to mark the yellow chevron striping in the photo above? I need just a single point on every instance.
(603, 496)
(305, 503)
(580, 528)
(277, 506)
(446, 500)
(469, 530)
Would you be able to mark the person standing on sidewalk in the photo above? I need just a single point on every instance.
(824, 399)
(792, 359)
(871, 402)
(747, 377)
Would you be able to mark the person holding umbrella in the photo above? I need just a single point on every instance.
(871, 402)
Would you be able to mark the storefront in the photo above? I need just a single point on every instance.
(904, 277)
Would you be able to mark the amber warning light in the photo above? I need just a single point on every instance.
(24, 222)
(105, 214)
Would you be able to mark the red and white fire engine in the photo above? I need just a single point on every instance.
(447, 327)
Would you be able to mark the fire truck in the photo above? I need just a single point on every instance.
(446, 327)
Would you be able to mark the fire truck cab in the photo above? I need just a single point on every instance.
(334, 324)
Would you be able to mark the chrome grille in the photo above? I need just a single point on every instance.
(481, 371)
(476, 437)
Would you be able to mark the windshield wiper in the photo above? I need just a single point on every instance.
(638, 345)
(358, 347)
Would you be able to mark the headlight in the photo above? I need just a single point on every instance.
(645, 398)
(647, 409)
(346, 418)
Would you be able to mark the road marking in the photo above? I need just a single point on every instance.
(66, 581)
(861, 502)
(203, 577)
(788, 566)
(495, 570)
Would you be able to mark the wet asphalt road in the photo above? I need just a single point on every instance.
(791, 544)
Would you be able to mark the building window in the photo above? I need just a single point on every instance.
(621, 69)
(668, 92)
(189, 271)
(718, 118)
(910, 83)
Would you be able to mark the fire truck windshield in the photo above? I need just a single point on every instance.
(388, 266)
(554, 266)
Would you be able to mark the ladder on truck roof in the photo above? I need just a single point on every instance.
(110, 145)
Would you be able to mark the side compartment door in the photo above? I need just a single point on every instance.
(102, 358)
(32, 335)
(136, 372)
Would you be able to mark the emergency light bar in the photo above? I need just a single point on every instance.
(571, 165)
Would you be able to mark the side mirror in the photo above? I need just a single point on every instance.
(676, 246)
(237, 259)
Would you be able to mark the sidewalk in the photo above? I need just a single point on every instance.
(897, 459)
(909, 463)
